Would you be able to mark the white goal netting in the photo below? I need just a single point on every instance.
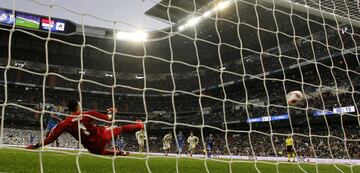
(220, 69)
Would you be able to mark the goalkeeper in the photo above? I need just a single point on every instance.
(93, 137)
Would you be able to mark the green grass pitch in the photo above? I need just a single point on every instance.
(14, 161)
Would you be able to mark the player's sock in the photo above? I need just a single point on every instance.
(293, 155)
(288, 157)
(131, 127)
(128, 128)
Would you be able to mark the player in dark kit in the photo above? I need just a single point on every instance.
(93, 137)
(121, 143)
(181, 142)
(32, 138)
(209, 145)
(53, 120)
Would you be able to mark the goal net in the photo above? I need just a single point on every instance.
(218, 69)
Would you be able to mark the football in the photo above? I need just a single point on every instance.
(295, 98)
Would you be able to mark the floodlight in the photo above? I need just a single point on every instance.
(222, 5)
(132, 36)
(193, 21)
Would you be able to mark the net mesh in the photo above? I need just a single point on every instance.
(223, 68)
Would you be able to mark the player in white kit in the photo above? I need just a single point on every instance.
(140, 137)
(193, 141)
(167, 143)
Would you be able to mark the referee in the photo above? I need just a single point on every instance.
(289, 142)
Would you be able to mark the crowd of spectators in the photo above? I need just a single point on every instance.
(16, 136)
(188, 108)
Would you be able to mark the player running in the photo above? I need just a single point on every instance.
(193, 141)
(181, 142)
(290, 148)
(140, 137)
(93, 137)
(167, 143)
(209, 144)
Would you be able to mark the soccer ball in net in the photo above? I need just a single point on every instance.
(295, 98)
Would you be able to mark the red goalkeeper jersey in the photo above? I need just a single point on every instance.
(93, 137)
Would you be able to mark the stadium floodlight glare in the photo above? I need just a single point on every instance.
(139, 36)
(193, 21)
(222, 5)
(207, 13)
(181, 27)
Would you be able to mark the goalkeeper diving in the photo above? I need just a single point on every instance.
(93, 137)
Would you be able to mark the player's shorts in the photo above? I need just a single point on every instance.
(121, 147)
(289, 149)
(209, 147)
(192, 147)
(181, 146)
(166, 145)
(50, 126)
(141, 142)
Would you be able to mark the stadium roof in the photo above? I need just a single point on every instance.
(348, 8)
(177, 9)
